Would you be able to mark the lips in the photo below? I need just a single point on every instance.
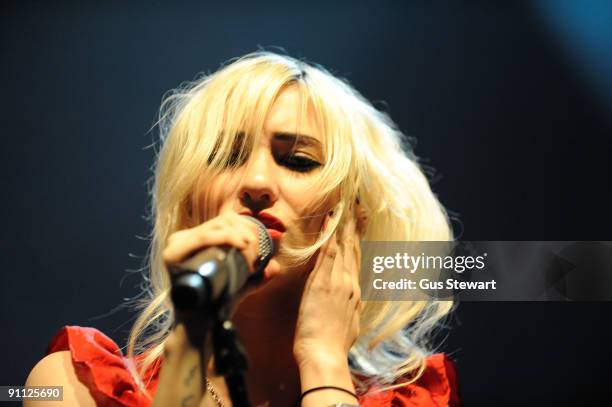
(274, 234)
(273, 225)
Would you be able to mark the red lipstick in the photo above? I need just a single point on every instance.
(273, 225)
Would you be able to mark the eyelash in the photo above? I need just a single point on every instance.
(293, 162)
(299, 163)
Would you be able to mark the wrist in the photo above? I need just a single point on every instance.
(329, 397)
(319, 355)
(325, 370)
(322, 362)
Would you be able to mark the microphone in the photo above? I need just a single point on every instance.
(214, 275)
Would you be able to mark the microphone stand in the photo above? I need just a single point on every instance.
(229, 354)
(230, 358)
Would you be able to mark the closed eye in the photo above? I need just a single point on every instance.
(298, 163)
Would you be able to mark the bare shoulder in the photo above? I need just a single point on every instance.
(57, 369)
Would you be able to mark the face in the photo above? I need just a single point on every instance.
(276, 181)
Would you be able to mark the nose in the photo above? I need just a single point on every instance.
(259, 189)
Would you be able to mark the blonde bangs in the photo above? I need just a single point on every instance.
(336, 184)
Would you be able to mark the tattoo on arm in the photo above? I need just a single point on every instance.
(188, 401)
(191, 375)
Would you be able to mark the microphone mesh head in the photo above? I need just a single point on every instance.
(266, 245)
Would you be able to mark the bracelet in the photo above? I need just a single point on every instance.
(326, 387)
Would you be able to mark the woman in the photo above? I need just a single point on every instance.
(293, 146)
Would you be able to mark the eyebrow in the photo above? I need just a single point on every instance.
(297, 138)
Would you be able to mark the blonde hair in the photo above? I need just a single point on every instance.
(365, 159)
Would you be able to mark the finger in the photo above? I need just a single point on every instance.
(356, 288)
(348, 229)
(330, 256)
(326, 221)
(182, 245)
(348, 285)
(337, 271)
(351, 250)
(248, 229)
(356, 261)
(272, 270)
(250, 233)
(229, 229)
(353, 263)
(325, 258)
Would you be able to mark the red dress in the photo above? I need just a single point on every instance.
(100, 365)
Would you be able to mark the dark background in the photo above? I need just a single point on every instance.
(510, 102)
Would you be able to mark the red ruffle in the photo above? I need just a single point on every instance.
(101, 366)
(437, 387)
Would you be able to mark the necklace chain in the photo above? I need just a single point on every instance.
(215, 396)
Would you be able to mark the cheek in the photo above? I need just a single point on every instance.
(212, 197)
(313, 227)
(299, 197)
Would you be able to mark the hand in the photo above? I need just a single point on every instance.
(180, 378)
(328, 318)
(226, 229)
(230, 229)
